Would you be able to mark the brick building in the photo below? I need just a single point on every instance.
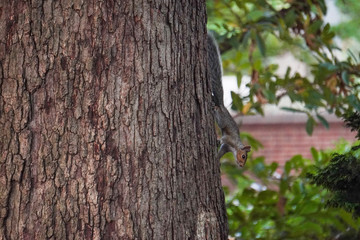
(283, 135)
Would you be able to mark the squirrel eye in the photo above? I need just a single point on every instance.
(243, 156)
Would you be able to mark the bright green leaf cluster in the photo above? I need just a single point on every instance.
(351, 9)
(288, 206)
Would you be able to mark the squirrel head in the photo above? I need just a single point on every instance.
(241, 155)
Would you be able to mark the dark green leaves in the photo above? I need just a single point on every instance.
(328, 66)
(345, 77)
(285, 207)
(253, 33)
(292, 110)
(261, 45)
(237, 102)
(323, 121)
(310, 125)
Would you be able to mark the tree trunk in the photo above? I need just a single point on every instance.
(106, 129)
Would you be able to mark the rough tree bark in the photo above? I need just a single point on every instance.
(105, 122)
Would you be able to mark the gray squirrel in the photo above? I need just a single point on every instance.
(230, 140)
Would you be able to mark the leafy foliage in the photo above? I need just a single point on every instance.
(287, 206)
(341, 176)
(350, 8)
(251, 32)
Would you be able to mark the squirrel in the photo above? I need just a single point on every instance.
(230, 140)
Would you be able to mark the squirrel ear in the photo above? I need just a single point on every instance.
(247, 148)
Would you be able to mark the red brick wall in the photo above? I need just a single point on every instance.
(284, 140)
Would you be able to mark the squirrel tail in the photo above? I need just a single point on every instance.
(215, 70)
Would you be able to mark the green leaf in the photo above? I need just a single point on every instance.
(290, 18)
(273, 167)
(328, 66)
(292, 109)
(270, 95)
(257, 64)
(345, 77)
(310, 227)
(288, 167)
(236, 100)
(295, 97)
(260, 43)
(297, 161)
(323, 121)
(347, 217)
(239, 79)
(314, 99)
(353, 56)
(323, 7)
(315, 154)
(259, 168)
(309, 208)
(245, 38)
(315, 26)
(255, 15)
(240, 4)
(295, 221)
(284, 185)
(310, 126)
(287, 74)
(268, 197)
(354, 101)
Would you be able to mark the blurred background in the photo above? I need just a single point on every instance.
(291, 81)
